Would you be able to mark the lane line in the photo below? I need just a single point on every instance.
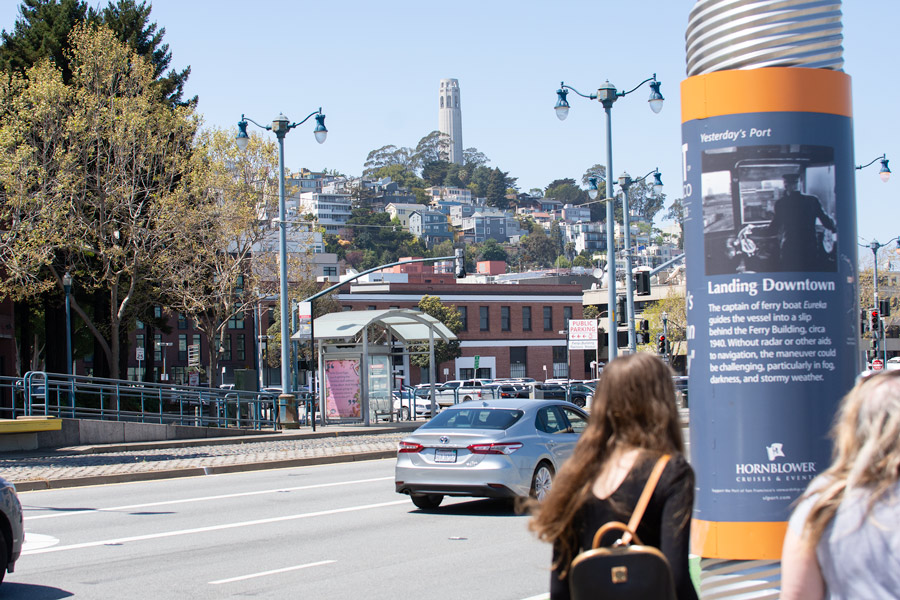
(179, 532)
(201, 499)
(273, 572)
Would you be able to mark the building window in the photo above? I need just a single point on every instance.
(182, 321)
(329, 271)
(484, 319)
(560, 361)
(518, 359)
(463, 317)
(182, 347)
(567, 315)
(241, 346)
(504, 318)
(371, 307)
(157, 312)
(226, 347)
(526, 318)
(548, 318)
(139, 324)
(237, 320)
(157, 349)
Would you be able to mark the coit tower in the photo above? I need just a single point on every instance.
(450, 118)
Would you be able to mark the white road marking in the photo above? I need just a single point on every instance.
(538, 597)
(166, 534)
(201, 499)
(274, 572)
(34, 541)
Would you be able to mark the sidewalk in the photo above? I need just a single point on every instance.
(117, 463)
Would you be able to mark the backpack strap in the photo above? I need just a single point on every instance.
(631, 529)
(644, 500)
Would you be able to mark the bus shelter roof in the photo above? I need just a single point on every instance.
(406, 324)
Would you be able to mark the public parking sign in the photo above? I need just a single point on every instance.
(583, 334)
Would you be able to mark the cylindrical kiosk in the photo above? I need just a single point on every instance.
(770, 241)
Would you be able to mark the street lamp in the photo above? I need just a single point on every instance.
(665, 321)
(162, 346)
(884, 172)
(625, 183)
(67, 286)
(281, 125)
(607, 95)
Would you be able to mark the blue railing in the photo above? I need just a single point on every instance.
(80, 397)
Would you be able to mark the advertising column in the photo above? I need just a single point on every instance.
(770, 239)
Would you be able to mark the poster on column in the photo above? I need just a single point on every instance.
(342, 389)
(770, 241)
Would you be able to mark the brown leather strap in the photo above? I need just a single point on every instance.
(644, 500)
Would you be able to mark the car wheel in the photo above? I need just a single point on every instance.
(467, 398)
(403, 413)
(4, 557)
(542, 480)
(579, 401)
(427, 501)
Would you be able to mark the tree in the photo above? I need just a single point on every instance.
(538, 250)
(582, 261)
(472, 158)
(443, 351)
(299, 292)
(676, 213)
(496, 191)
(566, 192)
(387, 156)
(86, 169)
(43, 31)
(676, 322)
(434, 147)
(492, 250)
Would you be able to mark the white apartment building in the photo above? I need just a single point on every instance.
(402, 212)
(331, 211)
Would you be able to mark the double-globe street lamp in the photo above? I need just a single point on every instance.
(607, 95)
(280, 126)
(625, 183)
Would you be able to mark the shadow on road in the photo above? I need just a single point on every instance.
(11, 590)
(485, 507)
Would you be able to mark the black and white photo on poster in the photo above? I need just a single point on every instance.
(769, 209)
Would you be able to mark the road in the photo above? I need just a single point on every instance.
(327, 531)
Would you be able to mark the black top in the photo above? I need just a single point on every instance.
(665, 525)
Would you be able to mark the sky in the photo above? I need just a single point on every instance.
(375, 69)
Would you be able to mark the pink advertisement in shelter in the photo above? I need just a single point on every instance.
(342, 389)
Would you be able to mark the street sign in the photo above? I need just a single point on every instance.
(477, 360)
(139, 353)
(877, 364)
(304, 321)
(583, 334)
(194, 355)
(194, 378)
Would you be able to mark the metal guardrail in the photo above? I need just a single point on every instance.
(79, 397)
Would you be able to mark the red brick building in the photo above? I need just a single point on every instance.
(514, 330)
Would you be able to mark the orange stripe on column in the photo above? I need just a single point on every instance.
(738, 541)
(774, 89)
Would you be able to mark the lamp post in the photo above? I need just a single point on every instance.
(607, 95)
(884, 172)
(625, 183)
(162, 346)
(281, 125)
(67, 286)
(665, 320)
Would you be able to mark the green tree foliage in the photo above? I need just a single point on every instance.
(492, 250)
(538, 250)
(43, 31)
(566, 191)
(433, 147)
(496, 191)
(373, 239)
(676, 314)
(675, 213)
(84, 172)
(581, 261)
(299, 291)
(450, 317)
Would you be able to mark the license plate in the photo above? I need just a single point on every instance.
(445, 455)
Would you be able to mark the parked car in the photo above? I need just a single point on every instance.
(458, 390)
(580, 394)
(681, 390)
(506, 390)
(402, 402)
(12, 533)
(491, 448)
(554, 391)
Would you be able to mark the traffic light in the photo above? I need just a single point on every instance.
(642, 283)
(661, 345)
(459, 263)
(621, 310)
(875, 322)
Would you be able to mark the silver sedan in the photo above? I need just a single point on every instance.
(499, 448)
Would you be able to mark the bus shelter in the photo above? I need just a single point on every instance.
(355, 352)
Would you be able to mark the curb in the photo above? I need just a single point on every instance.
(51, 484)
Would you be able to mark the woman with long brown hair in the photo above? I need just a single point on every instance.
(634, 421)
(842, 539)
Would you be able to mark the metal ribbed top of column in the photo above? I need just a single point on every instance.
(750, 34)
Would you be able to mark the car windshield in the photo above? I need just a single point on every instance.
(474, 418)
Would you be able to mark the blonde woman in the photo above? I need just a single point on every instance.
(843, 540)
(634, 421)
